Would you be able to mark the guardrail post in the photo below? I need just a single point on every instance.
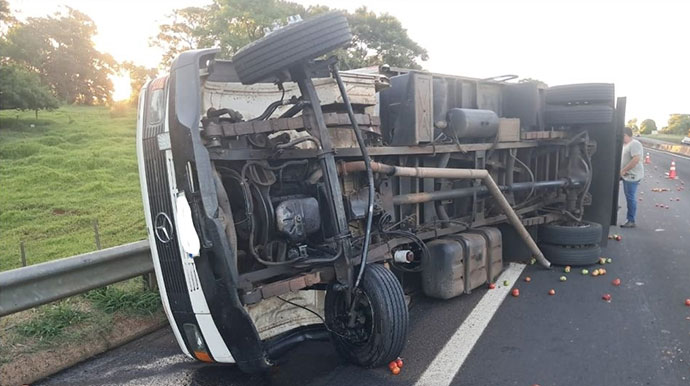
(150, 282)
(23, 254)
(96, 236)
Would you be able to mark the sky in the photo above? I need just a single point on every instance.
(641, 46)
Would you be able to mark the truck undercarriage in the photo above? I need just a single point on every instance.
(308, 203)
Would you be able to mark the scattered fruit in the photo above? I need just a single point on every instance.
(563, 278)
(585, 272)
(609, 261)
(392, 365)
(611, 236)
(506, 283)
(552, 292)
(566, 269)
(616, 282)
(595, 272)
(528, 279)
(532, 261)
(687, 302)
(515, 292)
(619, 237)
(602, 271)
(492, 285)
(602, 260)
(395, 370)
(399, 362)
(606, 297)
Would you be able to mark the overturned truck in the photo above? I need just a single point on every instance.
(287, 200)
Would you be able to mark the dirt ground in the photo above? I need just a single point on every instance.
(24, 360)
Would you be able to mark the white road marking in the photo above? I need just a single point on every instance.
(448, 361)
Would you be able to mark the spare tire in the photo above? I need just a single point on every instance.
(578, 114)
(563, 255)
(289, 45)
(580, 94)
(586, 233)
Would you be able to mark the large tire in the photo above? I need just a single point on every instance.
(291, 44)
(379, 337)
(578, 115)
(581, 94)
(563, 255)
(586, 233)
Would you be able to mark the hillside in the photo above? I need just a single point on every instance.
(60, 173)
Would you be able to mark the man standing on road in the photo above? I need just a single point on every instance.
(632, 172)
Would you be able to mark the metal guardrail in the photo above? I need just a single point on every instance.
(667, 147)
(31, 286)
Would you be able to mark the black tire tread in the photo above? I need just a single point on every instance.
(274, 49)
(578, 115)
(561, 255)
(583, 93)
(292, 44)
(569, 235)
(383, 288)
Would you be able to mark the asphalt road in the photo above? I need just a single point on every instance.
(640, 337)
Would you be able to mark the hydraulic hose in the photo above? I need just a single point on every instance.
(367, 166)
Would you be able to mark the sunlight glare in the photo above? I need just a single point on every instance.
(122, 89)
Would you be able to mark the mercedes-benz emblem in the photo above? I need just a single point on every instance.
(163, 228)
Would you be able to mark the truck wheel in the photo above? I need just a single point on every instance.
(580, 94)
(586, 233)
(563, 255)
(291, 44)
(578, 114)
(380, 328)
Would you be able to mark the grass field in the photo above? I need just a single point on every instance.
(60, 173)
(673, 138)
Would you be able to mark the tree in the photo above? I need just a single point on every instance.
(647, 126)
(138, 75)
(539, 83)
(380, 40)
(189, 28)
(678, 124)
(231, 24)
(60, 49)
(22, 90)
(6, 16)
(632, 124)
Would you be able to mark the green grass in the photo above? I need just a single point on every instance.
(76, 164)
(673, 138)
(113, 299)
(51, 322)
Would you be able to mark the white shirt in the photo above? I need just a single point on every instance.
(630, 150)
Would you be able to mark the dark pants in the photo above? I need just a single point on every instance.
(630, 190)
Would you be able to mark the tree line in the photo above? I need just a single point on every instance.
(46, 61)
(678, 124)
